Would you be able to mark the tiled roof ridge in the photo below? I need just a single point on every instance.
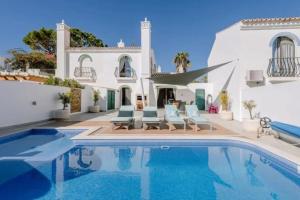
(112, 47)
(270, 20)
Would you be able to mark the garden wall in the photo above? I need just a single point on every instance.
(280, 102)
(17, 102)
(26, 102)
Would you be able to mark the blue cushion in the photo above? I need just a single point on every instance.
(150, 114)
(286, 128)
(123, 113)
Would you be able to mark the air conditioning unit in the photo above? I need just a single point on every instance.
(256, 76)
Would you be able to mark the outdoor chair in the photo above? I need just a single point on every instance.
(195, 118)
(125, 118)
(150, 118)
(287, 132)
(172, 116)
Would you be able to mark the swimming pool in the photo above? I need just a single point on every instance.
(202, 169)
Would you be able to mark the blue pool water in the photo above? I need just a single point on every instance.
(202, 169)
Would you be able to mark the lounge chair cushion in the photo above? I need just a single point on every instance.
(198, 119)
(150, 114)
(125, 113)
(195, 113)
(286, 128)
(122, 119)
(150, 119)
(172, 113)
(175, 120)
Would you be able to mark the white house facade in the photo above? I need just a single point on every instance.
(120, 73)
(265, 67)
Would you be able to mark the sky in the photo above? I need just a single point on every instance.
(177, 25)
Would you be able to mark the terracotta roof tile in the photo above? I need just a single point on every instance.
(271, 20)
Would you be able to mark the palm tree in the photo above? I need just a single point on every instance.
(182, 62)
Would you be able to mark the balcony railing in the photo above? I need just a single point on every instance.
(284, 67)
(85, 73)
(125, 75)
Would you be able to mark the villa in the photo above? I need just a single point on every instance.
(121, 73)
(55, 144)
(265, 67)
(116, 71)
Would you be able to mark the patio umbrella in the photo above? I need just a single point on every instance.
(183, 78)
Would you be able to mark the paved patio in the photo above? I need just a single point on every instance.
(101, 128)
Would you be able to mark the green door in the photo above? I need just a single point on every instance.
(200, 99)
(110, 99)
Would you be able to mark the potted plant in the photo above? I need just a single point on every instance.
(225, 113)
(64, 113)
(95, 108)
(250, 124)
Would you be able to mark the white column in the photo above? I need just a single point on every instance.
(146, 47)
(146, 55)
(62, 43)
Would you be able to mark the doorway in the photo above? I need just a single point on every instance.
(75, 100)
(165, 96)
(125, 96)
(110, 99)
(200, 99)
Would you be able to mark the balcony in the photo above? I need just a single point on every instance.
(125, 77)
(85, 74)
(283, 69)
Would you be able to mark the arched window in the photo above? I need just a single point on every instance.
(283, 62)
(284, 48)
(84, 69)
(125, 69)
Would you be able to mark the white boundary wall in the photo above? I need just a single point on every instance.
(86, 98)
(280, 102)
(16, 102)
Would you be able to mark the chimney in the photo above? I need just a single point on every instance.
(62, 43)
(121, 44)
(146, 47)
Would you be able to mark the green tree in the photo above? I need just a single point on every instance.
(21, 59)
(84, 39)
(44, 40)
(182, 62)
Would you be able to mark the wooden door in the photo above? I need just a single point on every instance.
(76, 100)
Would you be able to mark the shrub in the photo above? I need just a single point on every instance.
(51, 80)
(249, 105)
(224, 100)
(65, 98)
(96, 96)
(71, 83)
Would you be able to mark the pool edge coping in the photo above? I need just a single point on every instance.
(85, 135)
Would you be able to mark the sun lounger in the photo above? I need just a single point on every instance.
(172, 116)
(150, 118)
(287, 132)
(125, 118)
(195, 117)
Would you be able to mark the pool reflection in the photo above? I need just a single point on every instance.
(142, 172)
(150, 172)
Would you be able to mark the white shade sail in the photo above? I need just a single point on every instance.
(183, 78)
